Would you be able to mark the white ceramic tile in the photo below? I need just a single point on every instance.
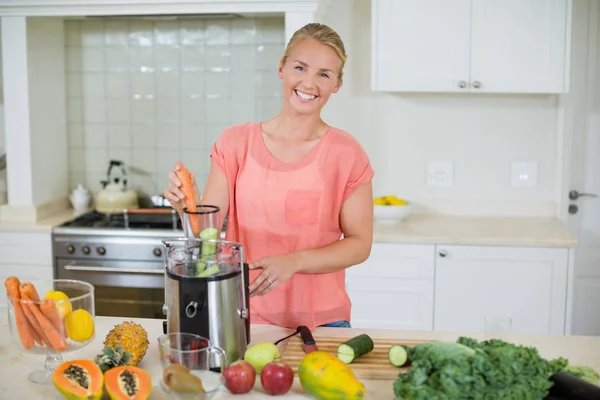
(76, 159)
(243, 58)
(93, 84)
(116, 33)
(242, 84)
(118, 110)
(268, 56)
(243, 31)
(117, 59)
(267, 84)
(73, 58)
(142, 110)
(217, 32)
(94, 110)
(166, 159)
(217, 59)
(75, 109)
(141, 33)
(146, 184)
(242, 110)
(75, 178)
(142, 59)
(193, 135)
(191, 32)
(270, 30)
(193, 109)
(166, 58)
(142, 84)
(74, 86)
(168, 135)
(144, 159)
(192, 58)
(72, 33)
(217, 110)
(96, 160)
(166, 33)
(267, 107)
(119, 136)
(192, 84)
(217, 84)
(167, 109)
(92, 180)
(167, 84)
(94, 136)
(118, 85)
(92, 33)
(194, 160)
(75, 134)
(124, 155)
(92, 58)
(213, 132)
(143, 135)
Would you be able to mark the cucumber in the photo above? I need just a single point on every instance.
(356, 347)
(397, 355)
(212, 270)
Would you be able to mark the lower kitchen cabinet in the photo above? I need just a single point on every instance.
(393, 289)
(529, 285)
(26, 255)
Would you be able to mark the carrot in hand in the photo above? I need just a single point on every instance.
(57, 341)
(187, 187)
(51, 312)
(26, 334)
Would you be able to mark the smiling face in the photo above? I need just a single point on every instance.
(310, 75)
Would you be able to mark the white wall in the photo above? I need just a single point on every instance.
(3, 197)
(481, 134)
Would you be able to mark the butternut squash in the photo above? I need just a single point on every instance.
(325, 377)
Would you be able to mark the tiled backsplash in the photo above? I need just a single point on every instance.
(151, 92)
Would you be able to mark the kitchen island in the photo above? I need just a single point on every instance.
(582, 350)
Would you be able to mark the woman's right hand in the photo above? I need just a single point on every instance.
(173, 192)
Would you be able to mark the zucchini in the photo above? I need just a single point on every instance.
(356, 347)
(209, 233)
(397, 355)
(210, 271)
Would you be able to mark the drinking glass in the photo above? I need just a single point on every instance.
(203, 223)
(56, 317)
(497, 327)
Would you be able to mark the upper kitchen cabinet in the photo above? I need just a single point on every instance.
(477, 46)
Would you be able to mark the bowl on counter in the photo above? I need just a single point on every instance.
(391, 209)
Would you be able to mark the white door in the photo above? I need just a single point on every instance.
(582, 166)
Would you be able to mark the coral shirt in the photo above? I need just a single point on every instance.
(278, 207)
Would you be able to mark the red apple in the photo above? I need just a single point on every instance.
(277, 378)
(239, 377)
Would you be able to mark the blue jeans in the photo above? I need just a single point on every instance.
(337, 324)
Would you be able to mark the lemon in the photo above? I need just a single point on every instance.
(80, 325)
(379, 201)
(64, 307)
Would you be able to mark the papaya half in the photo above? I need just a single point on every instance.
(79, 380)
(127, 383)
(325, 377)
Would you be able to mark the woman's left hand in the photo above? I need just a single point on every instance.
(275, 271)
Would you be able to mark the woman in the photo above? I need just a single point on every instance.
(292, 187)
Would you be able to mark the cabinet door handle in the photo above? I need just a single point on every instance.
(462, 84)
(476, 84)
(443, 253)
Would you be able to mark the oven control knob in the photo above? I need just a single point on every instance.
(157, 252)
(101, 251)
(86, 250)
(70, 249)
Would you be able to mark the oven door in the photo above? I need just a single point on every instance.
(127, 289)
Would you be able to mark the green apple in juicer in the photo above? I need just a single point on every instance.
(260, 354)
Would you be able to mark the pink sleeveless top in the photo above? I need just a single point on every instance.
(277, 208)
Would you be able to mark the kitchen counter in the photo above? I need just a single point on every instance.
(583, 350)
(43, 225)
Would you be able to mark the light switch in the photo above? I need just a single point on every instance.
(523, 173)
(440, 173)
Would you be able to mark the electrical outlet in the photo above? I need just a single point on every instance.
(440, 173)
(524, 173)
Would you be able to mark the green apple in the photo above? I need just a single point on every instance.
(260, 354)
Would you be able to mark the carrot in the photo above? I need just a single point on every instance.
(57, 341)
(28, 289)
(25, 331)
(187, 187)
(51, 312)
(42, 340)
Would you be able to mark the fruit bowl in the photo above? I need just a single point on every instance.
(391, 209)
(187, 368)
(50, 317)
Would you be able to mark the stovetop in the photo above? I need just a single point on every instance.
(125, 220)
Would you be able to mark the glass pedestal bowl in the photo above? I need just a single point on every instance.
(50, 317)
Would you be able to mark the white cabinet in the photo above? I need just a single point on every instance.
(479, 46)
(527, 284)
(393, 289)
(26, 255)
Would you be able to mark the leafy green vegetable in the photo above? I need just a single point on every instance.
(585, 373)
(469, 369)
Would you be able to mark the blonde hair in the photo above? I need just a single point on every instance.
(325, 35)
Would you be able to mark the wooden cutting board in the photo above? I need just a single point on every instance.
(374, 365)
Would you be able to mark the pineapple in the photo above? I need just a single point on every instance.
(132, 337)
(111, 357)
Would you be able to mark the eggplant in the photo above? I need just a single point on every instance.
(569, 387)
